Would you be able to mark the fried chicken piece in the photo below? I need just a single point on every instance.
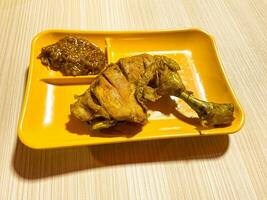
(121, 91)
(114, 100)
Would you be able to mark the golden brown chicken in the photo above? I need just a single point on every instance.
(120, 92)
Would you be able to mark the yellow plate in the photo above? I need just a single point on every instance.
(45, 120)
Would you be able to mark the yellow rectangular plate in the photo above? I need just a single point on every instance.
(45, 120)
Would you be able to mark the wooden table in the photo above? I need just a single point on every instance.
(224, 167)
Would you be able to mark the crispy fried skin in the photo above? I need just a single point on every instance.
(120, 92)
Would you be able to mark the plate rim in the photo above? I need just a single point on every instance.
(117, 32)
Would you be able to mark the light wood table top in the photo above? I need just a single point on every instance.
(224, 167)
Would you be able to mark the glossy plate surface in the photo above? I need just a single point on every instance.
(45, 120)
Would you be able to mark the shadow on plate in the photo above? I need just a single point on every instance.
(127, 130)
(36, 164)
(167, 106)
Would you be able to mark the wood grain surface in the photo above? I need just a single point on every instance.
(224, 167)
